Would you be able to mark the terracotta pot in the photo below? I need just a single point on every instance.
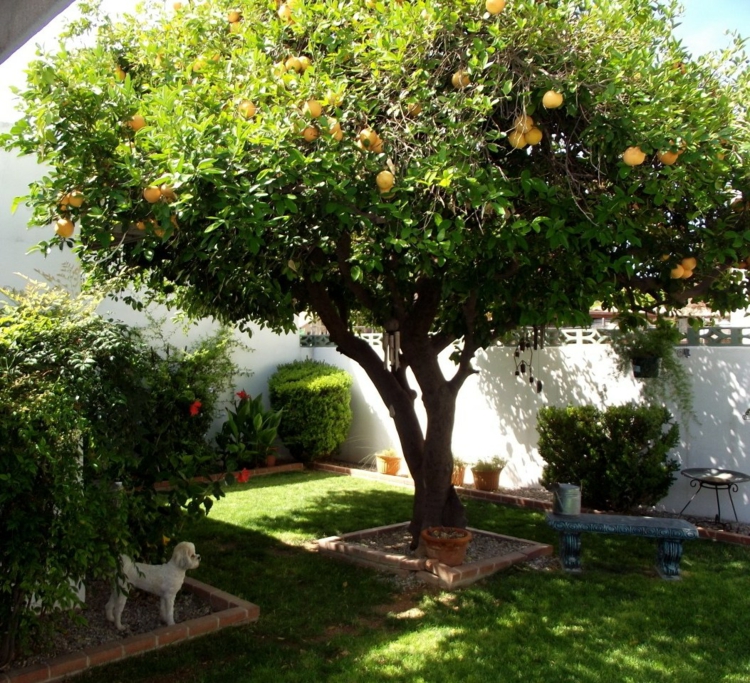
(448, 547)
(270, 461)
(457, 478)
(487, 480)
(388, 464)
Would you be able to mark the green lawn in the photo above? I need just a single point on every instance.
(324, 620)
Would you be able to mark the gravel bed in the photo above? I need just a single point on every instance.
(141, 615)
(482, 546)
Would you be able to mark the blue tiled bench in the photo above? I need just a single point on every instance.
(669, 533)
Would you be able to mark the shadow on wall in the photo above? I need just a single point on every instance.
(718, 436)
(571, 375)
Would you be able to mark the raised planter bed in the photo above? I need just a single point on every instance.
(353, 548)
(228, 610)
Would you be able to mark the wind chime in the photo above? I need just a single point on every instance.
(391, 344)
(523, 356)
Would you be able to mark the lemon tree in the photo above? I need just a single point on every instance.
(452, 170)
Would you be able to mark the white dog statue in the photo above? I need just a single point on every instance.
(164, 580)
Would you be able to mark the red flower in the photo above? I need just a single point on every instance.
(243, 395)
(195, 408)
(243, 476)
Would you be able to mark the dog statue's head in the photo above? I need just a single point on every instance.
(184, 556)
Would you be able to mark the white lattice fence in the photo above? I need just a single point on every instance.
(706, 336)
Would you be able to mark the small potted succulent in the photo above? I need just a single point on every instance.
(487, 473)
(459, 470)
(388, 462)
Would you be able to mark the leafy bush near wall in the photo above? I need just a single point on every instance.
(619, 456)
(84, 403)
(316, 400)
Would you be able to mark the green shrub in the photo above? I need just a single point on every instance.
(619, 456)
(86, 403)
(315, 398)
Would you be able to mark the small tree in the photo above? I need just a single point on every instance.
(437, 170)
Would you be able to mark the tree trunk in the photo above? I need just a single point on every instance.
(428, 455)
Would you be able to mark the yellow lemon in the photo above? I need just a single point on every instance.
(310, 133)
(460, 80)
(494, 6)
(534, 136)
(689, 263)
(633, 156)
(523, 124)
(247, 109)
(64, 227)
(152, 194)
(385, 181)
(285, 13)
(137, 122)
(313, 108)
(667, 158)
(517, 140)
(552, 99)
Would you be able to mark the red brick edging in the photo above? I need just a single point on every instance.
(255, 472)
(228, 611)
(506, 499)
(430, 571)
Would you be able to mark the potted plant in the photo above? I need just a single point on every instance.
(487, 473)
(446, 544)
(246, 438)
(271, 457)
(388, 462)
(459, 470)
(650, 352)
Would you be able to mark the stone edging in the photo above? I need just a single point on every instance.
(507, 499)
(229, 611)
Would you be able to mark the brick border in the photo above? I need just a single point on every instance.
(427, 570)
(228, 611)
(255, 472)
(507, 499)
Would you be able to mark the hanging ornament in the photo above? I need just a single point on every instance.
(391, 345)
(523, 356)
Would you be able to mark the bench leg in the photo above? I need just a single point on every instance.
(570, 551)
(668, 558)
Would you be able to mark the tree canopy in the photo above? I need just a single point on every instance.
(449, 171)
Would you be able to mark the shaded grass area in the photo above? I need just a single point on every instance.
(323, 620)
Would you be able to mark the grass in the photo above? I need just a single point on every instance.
(324, 620)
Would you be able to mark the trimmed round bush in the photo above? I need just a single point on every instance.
(619, 456)
(316, 400)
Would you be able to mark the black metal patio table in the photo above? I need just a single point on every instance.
(716, 479)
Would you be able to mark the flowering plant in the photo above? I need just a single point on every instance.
(248, 434)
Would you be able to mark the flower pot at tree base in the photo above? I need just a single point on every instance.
(387, 464)
(645, 367)
(270, 461)
(488, 480)
(457, 478)
(446, 544)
